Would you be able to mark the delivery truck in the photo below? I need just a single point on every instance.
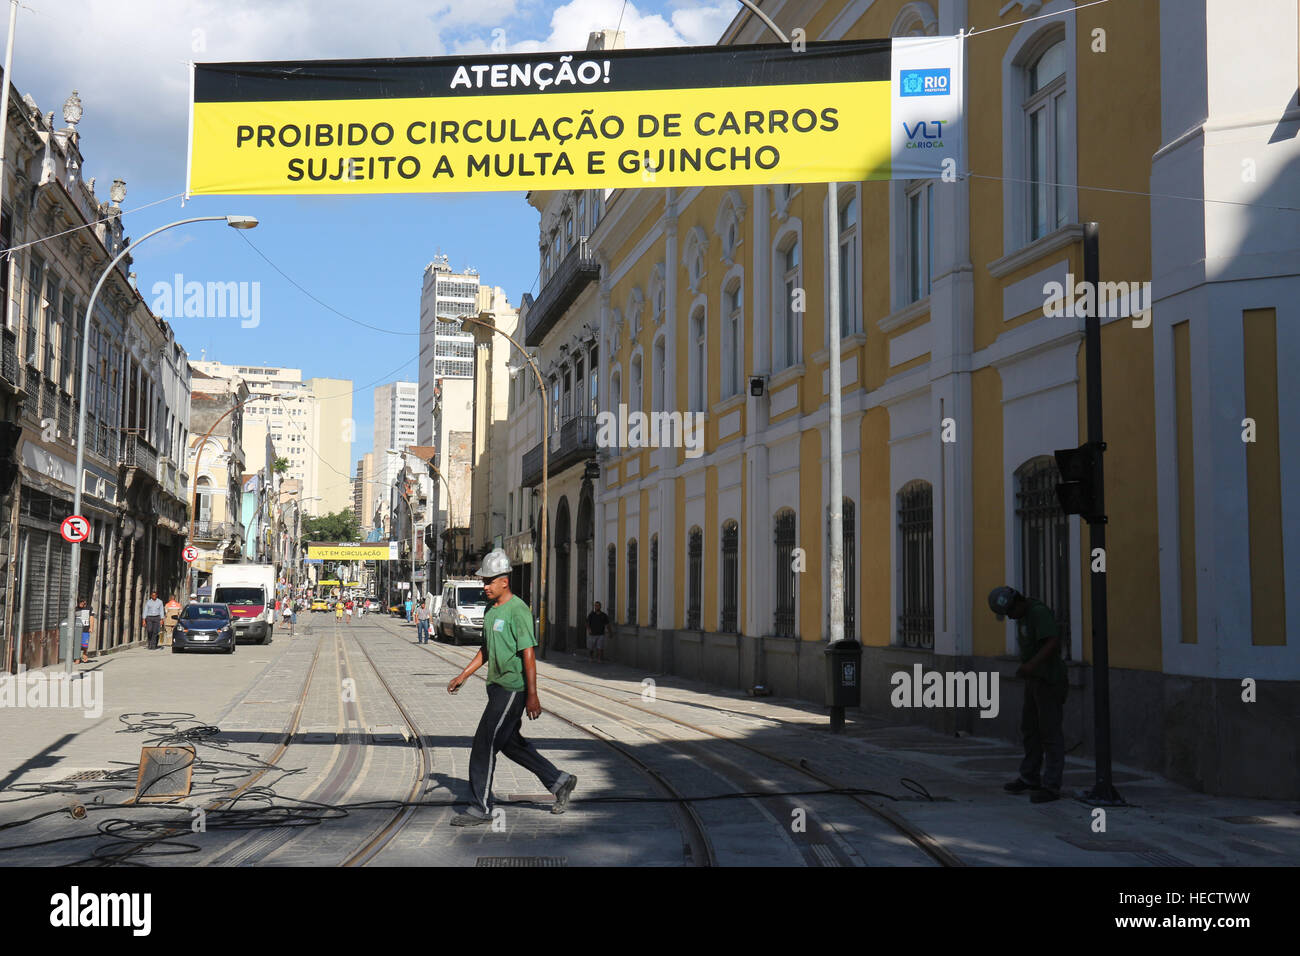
(249, 591)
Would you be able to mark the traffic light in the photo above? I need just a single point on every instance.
(1079, 492)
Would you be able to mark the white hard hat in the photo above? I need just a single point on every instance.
(495, 563)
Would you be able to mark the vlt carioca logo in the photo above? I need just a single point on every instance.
(925, 82)
(924, 134)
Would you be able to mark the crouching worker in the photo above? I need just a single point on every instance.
(512, 690)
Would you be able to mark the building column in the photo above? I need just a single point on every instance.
(669, 534)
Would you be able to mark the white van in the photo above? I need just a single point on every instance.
(460, 614)
(249, 591)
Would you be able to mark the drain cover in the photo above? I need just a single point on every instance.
(522, 861)
(86, 775)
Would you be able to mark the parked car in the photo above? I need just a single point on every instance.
(204, 627)
(320, 604)
(460, 613)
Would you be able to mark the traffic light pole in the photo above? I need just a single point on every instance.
(1104, 789)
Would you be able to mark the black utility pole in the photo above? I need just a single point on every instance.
(1104, 790)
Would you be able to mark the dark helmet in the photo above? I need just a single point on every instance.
(1003, 599)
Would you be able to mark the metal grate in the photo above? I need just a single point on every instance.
(783, 617)
(631, 582)
(916, 541)
(1044, 542)
(85, 775)
(654, 580)
(730, 575)
(612, 582)
(695, 565)
(522, 861)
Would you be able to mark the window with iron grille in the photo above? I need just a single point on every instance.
(695, 577)
(654, 580)
(783, 618)
(850, 568)
(730, 576)
(916, 564)
(611, 585)
(631, 582)
(1043, 530)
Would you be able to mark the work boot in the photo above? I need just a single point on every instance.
(1019, 786)
(562, 795)
(469, 820)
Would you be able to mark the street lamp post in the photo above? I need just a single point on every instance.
(235, 222)
(410, 510)
(491, 326)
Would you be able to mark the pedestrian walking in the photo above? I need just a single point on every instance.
(152, 620)
(173, 614)
(86, 622)
(507, 650)
(597, 622)
(422, 623)
(347, 607)
(338, 612)
(408, 610)
(1043, 714)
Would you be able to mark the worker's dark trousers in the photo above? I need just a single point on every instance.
(152, 625)
(498, 730)
(1041, 727)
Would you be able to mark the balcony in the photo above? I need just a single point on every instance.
(138, 453)
(9, 368)
(205, 530)
(577, 443)
(572, 276)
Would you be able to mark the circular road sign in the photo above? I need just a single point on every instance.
(190, 553)
(75, 529)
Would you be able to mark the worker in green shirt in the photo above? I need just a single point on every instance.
(512, 689)
(1043, 714)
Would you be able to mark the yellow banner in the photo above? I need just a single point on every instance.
(843, 111)
(343, 552)
(827, 132)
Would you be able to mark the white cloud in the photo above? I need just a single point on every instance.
(573, 22)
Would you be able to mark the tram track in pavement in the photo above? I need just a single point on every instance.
(814, 853)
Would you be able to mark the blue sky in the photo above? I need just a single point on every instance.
(363, 256)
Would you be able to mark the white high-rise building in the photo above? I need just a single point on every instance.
(310, 424)
(446, 351)
(395, 416)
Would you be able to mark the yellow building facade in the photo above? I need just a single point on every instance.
(962, 371)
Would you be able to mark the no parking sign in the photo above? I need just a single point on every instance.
(190, 553)
(75, 529)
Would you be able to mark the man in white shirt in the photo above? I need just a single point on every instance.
(152, 621)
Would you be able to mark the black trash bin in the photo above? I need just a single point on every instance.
(843, 678)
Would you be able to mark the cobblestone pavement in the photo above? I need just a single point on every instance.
(607, 724)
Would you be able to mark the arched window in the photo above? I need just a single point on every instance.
(698, 359)
(850, 263)
(654, 580)
(789, 305)
(634, 393)
(631, 582)
(694, 577)
(733, 323)
(204, 487)
(1046, 118)
(783, 618)
(1043, 542)
(730, 577)
(916, 564)
(615, 392)
(659, 400)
